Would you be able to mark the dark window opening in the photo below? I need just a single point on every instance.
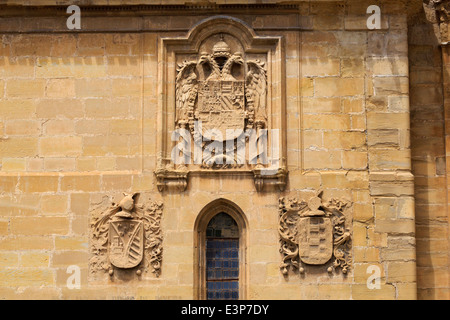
(222, 258)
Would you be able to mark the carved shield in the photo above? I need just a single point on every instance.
(315, 239)
(126, 243)
(221, 106)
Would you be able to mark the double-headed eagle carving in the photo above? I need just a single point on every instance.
(222, 90)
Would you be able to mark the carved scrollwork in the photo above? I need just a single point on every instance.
(127, 236)
(314, 232)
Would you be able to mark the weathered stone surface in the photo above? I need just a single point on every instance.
(86, 115)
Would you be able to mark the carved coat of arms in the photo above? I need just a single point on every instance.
(222, 106)
(126, 243)
(223, 93)
(313, 233)
(127, 236)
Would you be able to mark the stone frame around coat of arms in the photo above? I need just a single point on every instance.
(251, 98)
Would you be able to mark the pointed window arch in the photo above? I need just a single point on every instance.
(220, 252)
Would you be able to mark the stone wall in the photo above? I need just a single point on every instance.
(79, 113)
(428, 154)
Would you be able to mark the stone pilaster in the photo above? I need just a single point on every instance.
(438, 13)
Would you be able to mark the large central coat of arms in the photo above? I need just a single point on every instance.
(216, 91)
(221, 106)
(221, 99)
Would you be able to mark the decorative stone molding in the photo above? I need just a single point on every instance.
(438, 13)
(314, 233)
(276, 178)
(175, 178)
(127, 237)
(225, 78)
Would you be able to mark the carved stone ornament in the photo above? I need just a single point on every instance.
(221, 97)
(438, 13)
(223, 118)
(314, 233)
(127, 237)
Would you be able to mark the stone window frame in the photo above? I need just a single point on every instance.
(206, 214)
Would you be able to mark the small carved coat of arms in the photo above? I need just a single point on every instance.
(127, 236)
(314, 232)
(126, 243)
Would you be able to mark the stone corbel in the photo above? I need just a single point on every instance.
(275, 177)
(171, 178)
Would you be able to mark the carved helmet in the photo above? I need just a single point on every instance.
(127, 203)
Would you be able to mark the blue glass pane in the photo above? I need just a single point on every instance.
(222, 263)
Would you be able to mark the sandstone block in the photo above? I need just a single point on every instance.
(59, 108)
(25, 88)
(401, 272)
(354, 22)
(39, 225)
(320, 67)
(34, 259)
(380, 159)
(361, 292)
(321, 105)
(326, 121)
(335, 87)
(84, 183)
(9, 259)
(391, 85)
(60, 146)
(13, 164)
(54, 204)
(58, 127)
(25, 242)
(23, 127)
(322, 159)
(26, 277)
(17, 147)
(354, 160)
(30, 184)
(67, 258)
(60, 88)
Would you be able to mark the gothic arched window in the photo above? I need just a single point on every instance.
(220, 252)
